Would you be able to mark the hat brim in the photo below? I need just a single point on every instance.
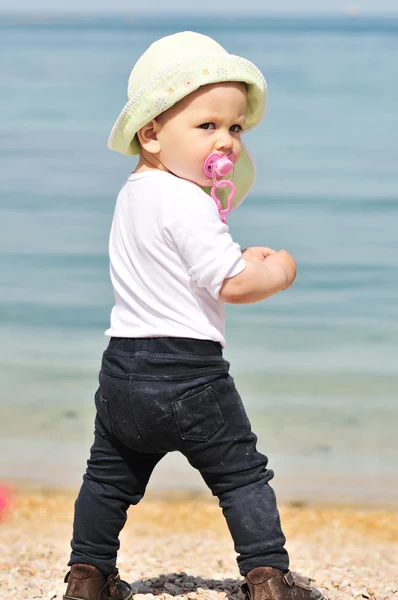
(168, 87)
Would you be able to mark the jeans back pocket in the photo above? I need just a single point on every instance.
(198, 416)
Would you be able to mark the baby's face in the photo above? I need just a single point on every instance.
(209, 120)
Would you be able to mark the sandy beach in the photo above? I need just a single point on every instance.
(178, 545)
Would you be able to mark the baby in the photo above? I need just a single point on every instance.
(164, 384)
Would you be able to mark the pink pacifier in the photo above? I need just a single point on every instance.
(217, 166)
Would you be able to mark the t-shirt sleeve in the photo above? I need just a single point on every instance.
(191, 222)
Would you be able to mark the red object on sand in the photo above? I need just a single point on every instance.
(5, 499)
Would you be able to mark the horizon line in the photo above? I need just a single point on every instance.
(174, 11)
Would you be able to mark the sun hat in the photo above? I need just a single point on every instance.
(170, 69)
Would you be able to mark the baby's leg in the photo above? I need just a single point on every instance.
(116, 477)
(236, 472)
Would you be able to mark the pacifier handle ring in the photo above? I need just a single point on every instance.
(223, 211)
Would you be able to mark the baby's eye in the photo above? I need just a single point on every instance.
(236, 128)
(207, 126)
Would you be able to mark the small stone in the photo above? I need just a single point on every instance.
(370, 591)
(172, 588)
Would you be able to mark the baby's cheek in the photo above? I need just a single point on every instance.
(237, 149)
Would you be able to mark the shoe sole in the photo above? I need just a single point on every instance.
(129, 597)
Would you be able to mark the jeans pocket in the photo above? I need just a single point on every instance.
(198, 416)
(113, 398)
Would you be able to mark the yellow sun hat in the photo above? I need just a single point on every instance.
(170, 69)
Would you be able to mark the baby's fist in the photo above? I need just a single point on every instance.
(288, 264)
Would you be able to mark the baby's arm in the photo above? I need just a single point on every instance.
(191, 225)
(260, 279)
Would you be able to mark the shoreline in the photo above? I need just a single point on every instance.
(298, 487)
(178, 493)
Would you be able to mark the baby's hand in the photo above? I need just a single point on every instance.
(257, 253)
(284, 261)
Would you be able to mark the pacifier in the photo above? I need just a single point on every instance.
(216, 166)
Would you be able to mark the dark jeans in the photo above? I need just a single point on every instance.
(158, 395)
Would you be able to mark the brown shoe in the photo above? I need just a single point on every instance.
(88, 583)
(266, 583)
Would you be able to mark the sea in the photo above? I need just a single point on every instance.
(316, 365)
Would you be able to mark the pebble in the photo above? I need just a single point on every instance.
(175, 590)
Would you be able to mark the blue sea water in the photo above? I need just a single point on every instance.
(316, 365)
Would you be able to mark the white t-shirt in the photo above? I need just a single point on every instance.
(169, 255)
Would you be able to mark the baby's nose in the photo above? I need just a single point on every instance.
(224, 142)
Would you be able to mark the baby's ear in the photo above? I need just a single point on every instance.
(148, 137)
